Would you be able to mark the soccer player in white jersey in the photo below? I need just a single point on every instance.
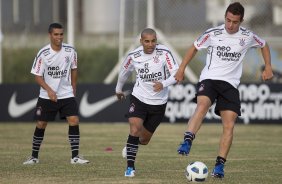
(55, 71)
(155, 69)
(226, 47)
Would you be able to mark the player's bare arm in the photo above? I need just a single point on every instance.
(191, 52)
(74, 80)
(267, 72)
(52, 95)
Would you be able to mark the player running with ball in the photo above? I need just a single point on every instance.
(155, 69)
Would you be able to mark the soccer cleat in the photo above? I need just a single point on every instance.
(218, 171)
(184, 148)
(31, 160)
(79, 160)
(124, 153)
(130, 172)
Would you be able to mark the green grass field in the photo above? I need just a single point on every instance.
(255, 156)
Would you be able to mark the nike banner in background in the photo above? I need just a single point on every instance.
(16, 109)
(96, 102)
(88, 109)
(18, 101)
(261, 103)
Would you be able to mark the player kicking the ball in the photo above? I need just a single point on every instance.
(227, 45)
(155, 68)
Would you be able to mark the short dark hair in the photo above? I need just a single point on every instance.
(54, 26)
(236, 8)
(148, 31)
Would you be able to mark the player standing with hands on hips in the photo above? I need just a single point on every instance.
(55, 70)
(155, 69)
(226, 47)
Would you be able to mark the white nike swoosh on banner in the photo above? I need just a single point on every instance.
(16, 110)
(88, 110)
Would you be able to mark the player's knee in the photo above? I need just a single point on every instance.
(228, 125)
(135, 132)
(73, 120)
(228, 129)
(41, 124)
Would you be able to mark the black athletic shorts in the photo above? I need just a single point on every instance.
(222, 93)
(151, 114)
(46, 110)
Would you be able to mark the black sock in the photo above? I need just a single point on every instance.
(189, 137)
(131, 150)
(220, 160)
(74, 138)
(37, 140)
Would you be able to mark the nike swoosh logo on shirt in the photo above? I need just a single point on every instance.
(16, 110)
(87, 109)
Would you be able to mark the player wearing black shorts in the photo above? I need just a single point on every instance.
(151, 114)
(226, 47)
(155, 68)
(223, 94)
(55, 71)
(46, 110)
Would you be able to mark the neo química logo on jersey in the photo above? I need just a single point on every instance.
(55, 72)
(225, 55)
(146, 76)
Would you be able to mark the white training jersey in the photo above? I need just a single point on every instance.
(225, 53)
(159, 66)
(55, 68)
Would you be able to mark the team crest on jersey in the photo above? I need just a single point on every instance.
(156, 59)
(242, 42)
(136, 55)
(132, 108)
(202, 87)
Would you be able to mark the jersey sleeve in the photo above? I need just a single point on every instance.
(172, 67)
(125, 71)
(257, 41)
(74, 60)
(38, 66)
(203, 41)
